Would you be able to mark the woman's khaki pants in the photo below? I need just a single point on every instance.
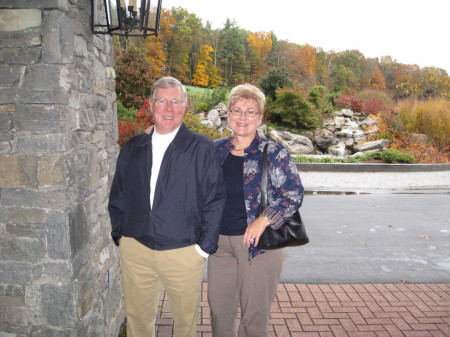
(145, 271)
(233, 280)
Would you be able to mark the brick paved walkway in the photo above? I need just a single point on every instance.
(350, 310)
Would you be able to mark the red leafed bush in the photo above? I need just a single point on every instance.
(128, 129)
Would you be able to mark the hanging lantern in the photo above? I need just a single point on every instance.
(126, 17)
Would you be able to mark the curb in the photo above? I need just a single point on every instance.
(328, 167)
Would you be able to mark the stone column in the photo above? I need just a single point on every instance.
(58, 131)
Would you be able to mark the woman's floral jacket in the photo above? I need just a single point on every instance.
(285, 190)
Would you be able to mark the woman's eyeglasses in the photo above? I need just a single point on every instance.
(239, 112)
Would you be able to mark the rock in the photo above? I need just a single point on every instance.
(295, 144)
(207, 123)
(339, 122)
(344, 112)
(367, 122)
(214, 117)
(373, 146)
(329, 124)
(337, 150)
(323, 139)
(418, 138)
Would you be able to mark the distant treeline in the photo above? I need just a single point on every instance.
(201, 56)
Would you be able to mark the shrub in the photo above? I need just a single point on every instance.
(295, 110)
(348, 101)
(367, 101)
(393, 155)
(128, 129)
(134, 77)
(126, 114)
(431, 117)
(275, 79)
(206, 100)
(321, 98)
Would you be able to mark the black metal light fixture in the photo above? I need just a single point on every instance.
(124, 17)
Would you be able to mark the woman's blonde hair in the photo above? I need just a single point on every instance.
(247, 91)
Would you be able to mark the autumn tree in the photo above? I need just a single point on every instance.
(377, 79)
(185, 30)
(134, 78)
(206, 73)
(259, 45)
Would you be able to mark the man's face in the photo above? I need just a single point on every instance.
(168, 109)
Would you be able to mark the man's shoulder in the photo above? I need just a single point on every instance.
(136, 140)
(189, 136)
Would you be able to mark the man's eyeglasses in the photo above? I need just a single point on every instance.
(164, 102)
(239, 112)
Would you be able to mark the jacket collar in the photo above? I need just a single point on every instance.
(253, 145)
(180, 140)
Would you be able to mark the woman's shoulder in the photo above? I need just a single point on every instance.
(221, 141)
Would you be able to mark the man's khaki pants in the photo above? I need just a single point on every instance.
(145, 271)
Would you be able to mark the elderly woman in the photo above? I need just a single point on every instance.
(239, 274)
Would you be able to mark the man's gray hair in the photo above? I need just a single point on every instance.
(168, 82)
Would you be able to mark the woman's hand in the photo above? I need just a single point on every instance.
(254, 231)
(148, 130)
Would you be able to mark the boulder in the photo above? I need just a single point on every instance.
(373, 146)
(344, 112)
(295, 144)
(214, 117)
(323, 139)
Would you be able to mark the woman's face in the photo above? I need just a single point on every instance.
(241, 120)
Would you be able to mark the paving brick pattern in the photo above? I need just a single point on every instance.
(344, 310)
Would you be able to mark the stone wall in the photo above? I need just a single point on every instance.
(58, 267)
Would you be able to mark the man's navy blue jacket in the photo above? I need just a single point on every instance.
(189, 196)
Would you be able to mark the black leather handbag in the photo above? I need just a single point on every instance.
(291, 233)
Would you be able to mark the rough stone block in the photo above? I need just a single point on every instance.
(27, 55)
(58, 236)
(10, 75)
(53, 304)
(58, 38)
(39, 117)
(5, 121)
(15, 272)
(57, 270)
(79, 232)
(22, 249)
(11, 290)
(19, 19)
(43, 96)
(32, 171)
(5, 146)
(28, 38)
(46, 77)
(35, 144)
(10, 174)
(41, 4)
(8, 95)
(15, 215)
(54, 199)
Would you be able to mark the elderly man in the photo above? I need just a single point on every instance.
(166, 205)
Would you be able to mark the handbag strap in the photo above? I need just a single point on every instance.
(264, 193)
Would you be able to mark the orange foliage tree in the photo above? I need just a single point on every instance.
(260, 45)
(377, 79)
(206, 73)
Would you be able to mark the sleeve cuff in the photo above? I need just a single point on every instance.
(275, 217)
(201, 252)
